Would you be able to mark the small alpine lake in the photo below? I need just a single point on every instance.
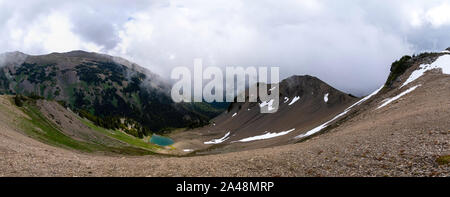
(161, 140)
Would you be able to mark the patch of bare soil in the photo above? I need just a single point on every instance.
(70, 124)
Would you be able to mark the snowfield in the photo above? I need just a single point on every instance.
(390, 100)
(322, 126)
(295, 99)
(218, 141)
(266, 136)
(442, 62)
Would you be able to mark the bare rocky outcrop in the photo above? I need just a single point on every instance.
(302, 106)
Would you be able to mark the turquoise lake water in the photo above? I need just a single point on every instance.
(160, 140)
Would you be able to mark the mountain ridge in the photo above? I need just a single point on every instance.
(406, 137)
(391, 92)
(105, 87)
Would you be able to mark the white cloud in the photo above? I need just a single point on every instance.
(434, 14)
(439, 15)
(47, 33)
(333, 40)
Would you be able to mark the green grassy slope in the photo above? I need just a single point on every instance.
(38, 127)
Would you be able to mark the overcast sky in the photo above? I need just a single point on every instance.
(348, 44)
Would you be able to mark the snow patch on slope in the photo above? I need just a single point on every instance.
(295, 99)
(390, 100)
(286, 99)
(325, 97)
(266, 136)
(218, 141)
(234, 114)
(322, 126)
(442, 62)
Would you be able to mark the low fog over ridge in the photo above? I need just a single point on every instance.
(355, 41)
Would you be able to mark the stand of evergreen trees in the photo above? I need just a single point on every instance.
(113, 122)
